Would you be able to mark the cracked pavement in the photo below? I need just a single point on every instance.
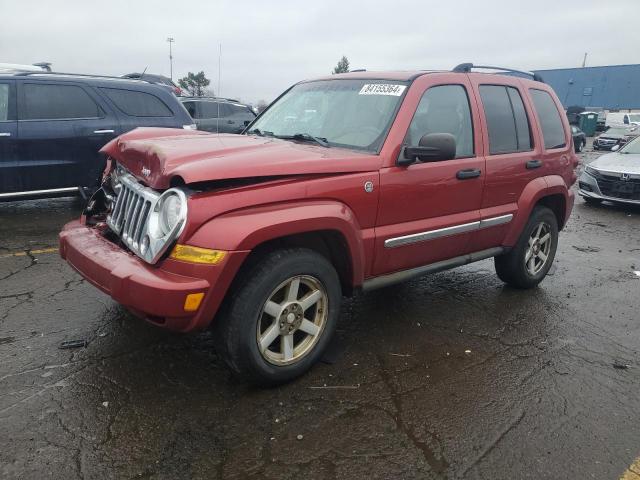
(449, 376)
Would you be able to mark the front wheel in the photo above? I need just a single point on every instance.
(280, 316)
(526, 265)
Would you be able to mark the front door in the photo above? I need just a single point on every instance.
(61, 128)
(9, 178)
(428, 209)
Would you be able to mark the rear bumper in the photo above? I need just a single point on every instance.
(156, 293)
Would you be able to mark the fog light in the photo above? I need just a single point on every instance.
(187, 253)
(192, 301)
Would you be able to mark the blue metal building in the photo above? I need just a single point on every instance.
(615, 87)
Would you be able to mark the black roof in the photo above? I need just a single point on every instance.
(96, 80)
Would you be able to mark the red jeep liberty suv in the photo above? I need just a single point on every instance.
(345, 183)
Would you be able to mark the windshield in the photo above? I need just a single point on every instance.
(347, 113)
(616, 131)
(632, 147)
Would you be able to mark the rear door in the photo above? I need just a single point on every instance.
(61, 127)
(9, 177)
(427, 209)
(513, 156)
(207, 116)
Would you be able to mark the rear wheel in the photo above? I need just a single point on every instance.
(526, 265)
(280, 317)
(580, 146)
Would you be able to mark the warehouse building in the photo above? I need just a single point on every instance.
(615, 87)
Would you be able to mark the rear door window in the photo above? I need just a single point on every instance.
(7, 111)
(210, 110)
(137, 104)
(507, 122)
(50, 102)
(550, 122)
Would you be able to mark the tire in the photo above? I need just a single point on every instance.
(580, 146)
(247, 317)
(592, 201)
(512, 267)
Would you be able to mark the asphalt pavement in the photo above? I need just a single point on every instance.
(450, 376)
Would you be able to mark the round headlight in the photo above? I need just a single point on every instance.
(170, 212)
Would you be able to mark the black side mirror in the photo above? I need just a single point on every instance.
(432, 147)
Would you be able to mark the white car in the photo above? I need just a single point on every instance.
(617, 119)
(614, 176)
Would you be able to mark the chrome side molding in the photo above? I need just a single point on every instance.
(447, 231)
(494, 221)
(404, 275)
(39, 192)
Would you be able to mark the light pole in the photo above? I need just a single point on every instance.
(170, 40)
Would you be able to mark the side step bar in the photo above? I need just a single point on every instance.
(404, 275)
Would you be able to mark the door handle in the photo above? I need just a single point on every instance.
(531, 164)
(468, 173)
(5, 134)
(103, 131)
(230, 122)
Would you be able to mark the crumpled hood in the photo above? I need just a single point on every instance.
(618, 163)
(156, 155)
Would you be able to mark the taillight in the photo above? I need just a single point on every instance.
(177, 91)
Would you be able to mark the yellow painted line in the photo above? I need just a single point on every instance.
(633, 472)
(30, 252)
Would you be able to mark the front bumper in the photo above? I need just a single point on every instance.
(588, 188)
(155, 293)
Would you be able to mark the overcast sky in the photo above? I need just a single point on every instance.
(268, 45)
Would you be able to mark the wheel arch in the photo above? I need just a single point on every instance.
(551, 192)
(327, 227)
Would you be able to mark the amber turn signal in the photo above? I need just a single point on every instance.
(192, 301)
(187, 253)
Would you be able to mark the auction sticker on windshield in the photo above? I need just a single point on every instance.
(382, 89)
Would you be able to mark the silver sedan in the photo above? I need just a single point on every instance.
(614, 176)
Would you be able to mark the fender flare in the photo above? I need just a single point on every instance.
(533, 192)
(245, 229)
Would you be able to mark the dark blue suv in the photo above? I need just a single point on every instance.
(52, 126)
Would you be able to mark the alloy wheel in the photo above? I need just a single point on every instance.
(538, 248)
(292, 320)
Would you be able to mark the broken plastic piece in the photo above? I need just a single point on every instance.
(73, 344)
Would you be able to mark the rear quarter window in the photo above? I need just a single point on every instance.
(550, 122)
(137, 104)
(239, 109)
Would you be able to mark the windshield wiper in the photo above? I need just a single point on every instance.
(260, 133)
(306, 137)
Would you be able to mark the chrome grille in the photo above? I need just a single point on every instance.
(131, 212)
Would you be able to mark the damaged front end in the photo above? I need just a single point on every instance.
(144, 220)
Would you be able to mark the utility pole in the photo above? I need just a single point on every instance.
(584, 60)
(170, 40)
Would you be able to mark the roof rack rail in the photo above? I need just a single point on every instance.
(43, 72)
(467, 67)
